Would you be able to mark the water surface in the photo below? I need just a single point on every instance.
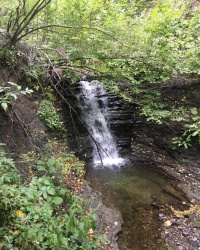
(131, 185)
(133, 189)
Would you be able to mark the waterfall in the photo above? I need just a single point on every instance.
(94, 105)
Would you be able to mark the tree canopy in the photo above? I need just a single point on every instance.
(137, 36)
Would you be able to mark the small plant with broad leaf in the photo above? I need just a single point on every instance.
(9, 93)
(191, 131)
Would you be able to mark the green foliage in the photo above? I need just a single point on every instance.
(49, 115)
(156, 114)
(7, 94)
(41, 213)
(71, 76)
(19, 17)
(145, 43)
(34, 75)
(149, 40)
(9, 58)
(191, 132)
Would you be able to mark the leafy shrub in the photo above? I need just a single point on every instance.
(49, 115)
(7, 94)
(41, 213)
(191, 132)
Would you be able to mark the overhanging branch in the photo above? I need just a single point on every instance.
(65, 27)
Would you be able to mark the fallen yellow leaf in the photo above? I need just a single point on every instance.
(167, 223)
(90, 231)
(181, 214)
(197, 208)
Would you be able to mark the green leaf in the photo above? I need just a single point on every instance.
(178, 119)
(13, 95)
(12, 83)
(45, 180)
(41, 168)
(44, 195)
(40, 162)
(4, 105)
(195, 133)
(194, 111)
(63, 191)
(51, 191)
(57, 200)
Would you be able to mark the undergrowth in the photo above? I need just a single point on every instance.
(10, 92)
(40, 212)
(48, 114)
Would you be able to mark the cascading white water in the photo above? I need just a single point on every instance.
(93, 102)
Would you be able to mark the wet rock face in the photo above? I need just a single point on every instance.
(120, 123)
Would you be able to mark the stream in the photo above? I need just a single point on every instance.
(139, 194)
(129, 186)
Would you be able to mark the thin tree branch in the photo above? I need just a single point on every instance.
(39, 5)
(93, 12)
(35, 9)
(66, 27)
